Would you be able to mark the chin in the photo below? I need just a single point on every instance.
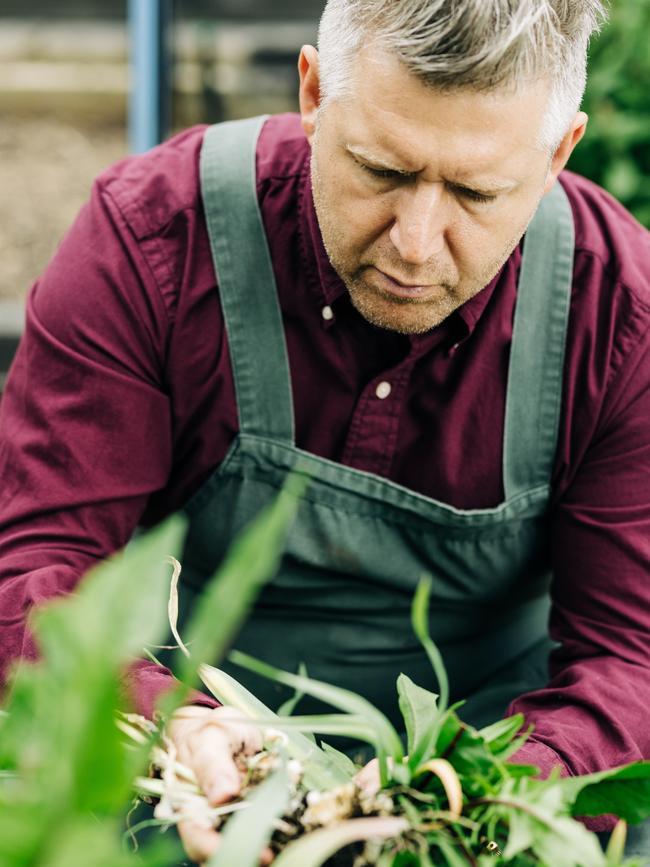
(407, 318)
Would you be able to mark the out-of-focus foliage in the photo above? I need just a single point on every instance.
(616, 149)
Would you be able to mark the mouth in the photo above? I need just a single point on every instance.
(388, 284)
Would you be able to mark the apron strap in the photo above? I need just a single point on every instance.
(536, 366)
(247, 285)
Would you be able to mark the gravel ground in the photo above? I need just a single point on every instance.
(46, 170)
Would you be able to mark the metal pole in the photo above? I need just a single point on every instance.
(149, 95)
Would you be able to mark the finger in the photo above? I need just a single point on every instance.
(213, 763)
(183, 722)
(200, 843)
(368, 777)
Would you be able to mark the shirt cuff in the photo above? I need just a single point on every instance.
(145, 683)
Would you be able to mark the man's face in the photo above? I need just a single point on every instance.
(421, 196)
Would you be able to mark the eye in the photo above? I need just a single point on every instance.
(383, 174)
(473, 195)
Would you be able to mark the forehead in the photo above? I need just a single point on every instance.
(392, 113)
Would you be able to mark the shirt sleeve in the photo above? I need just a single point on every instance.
(85, 430)
(593, 713)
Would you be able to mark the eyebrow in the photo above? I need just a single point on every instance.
(377, 161)
(461, 180)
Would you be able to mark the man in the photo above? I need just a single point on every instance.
(452, 341)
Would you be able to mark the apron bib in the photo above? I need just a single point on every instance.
(341, 600)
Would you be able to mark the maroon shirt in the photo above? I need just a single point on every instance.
(120, 405)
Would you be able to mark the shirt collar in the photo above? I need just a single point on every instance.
(329, 288)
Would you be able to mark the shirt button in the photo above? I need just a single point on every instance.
(327, 313)
(383, 390)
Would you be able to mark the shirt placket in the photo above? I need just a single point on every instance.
(373, 433)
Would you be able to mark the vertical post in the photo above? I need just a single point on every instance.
(149, 95)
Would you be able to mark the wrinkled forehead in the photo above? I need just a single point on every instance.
(389, 107)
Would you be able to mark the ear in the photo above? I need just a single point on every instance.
(309, 88)
(565, 148)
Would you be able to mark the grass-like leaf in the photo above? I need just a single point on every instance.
(288, 707)
(387, 741)
(315, 848)
(249, 831)
(420, 622)
(320, 771)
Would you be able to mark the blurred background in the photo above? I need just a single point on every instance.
(64, 94)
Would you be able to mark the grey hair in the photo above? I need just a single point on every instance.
(479, 45)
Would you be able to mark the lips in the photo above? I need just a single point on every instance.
(393, 286)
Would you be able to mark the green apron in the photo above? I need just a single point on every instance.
(341, 600)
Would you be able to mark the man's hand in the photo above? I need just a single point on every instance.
(213, 743)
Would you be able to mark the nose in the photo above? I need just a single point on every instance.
(418, 230)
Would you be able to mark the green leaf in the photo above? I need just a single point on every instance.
(344, 763)
(420, 712)
(623, 791)
(569, 844)
(249, 830)
(315, 848)
(84, 841)
(616, 844)
(464, 747)
(420, 621)
(452, 853)
(500, 733)
(386, 739)
(500, 736)
(535, 814)
(60, 732)
(343, 725)
(120, 605)
(289, 706)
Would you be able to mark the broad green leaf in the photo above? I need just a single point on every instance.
(60, 727)
(420, 621)
(386, 740)
(315, 848)
(23, 831)
(554, 837)
(249, 831)
(569, 844)
(339, 760)
(521, 833)
(623, 791)
(120, 605)
(320, 772)
(420, 711)
(86, 842)
(251, 561)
